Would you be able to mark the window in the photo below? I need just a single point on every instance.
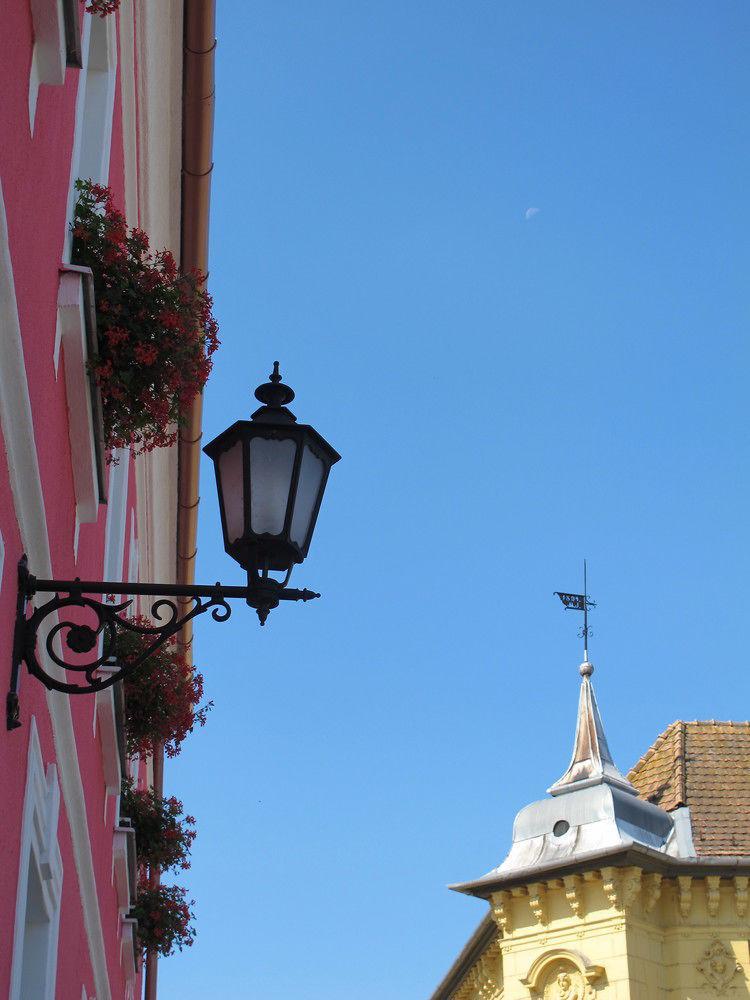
(49, 53)
(39, 882)
(99, 83)
(94, 109)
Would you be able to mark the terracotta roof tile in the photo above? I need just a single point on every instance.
(706, 766)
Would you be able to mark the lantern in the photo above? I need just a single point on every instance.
(271, 473)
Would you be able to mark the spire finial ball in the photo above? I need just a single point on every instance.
(586, 669)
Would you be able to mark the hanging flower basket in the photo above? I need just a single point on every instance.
(163, 836)
(156, 332)
(163, 695)
(164, 918)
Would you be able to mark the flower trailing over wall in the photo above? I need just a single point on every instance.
(163, 836)
(162, 695)
(102, 7)
(156, 330)
(164, 918)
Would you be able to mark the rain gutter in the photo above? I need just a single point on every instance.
(199, 46)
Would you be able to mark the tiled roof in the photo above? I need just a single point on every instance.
(706, 766)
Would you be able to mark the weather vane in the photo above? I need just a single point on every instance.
(580, 602)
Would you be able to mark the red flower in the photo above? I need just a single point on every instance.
(156, 330)
(103, 7)
(164, 918)
(147, 354)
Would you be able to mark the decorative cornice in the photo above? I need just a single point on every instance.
(538, 901)
(648, 859)
(610, 886)
(685, 894)
(574, 894)
(484, 979)
(630, 887)
(713, 895)
(621, 886)
(502, 911)
(740, 894)
(480, 942)
(652, 885)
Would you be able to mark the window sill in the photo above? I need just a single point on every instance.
(129, 948)
(77, 318)
(124, 864)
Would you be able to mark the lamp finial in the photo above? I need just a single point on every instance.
(274, 395)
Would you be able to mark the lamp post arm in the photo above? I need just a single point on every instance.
(65, 636)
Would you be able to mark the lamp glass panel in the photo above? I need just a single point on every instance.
(233, 491)
(271, 467)
(310, 477)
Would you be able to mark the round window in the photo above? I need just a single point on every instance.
(561, 827)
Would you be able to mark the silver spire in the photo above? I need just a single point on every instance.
(591, 763)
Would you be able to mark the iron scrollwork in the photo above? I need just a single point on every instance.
(66, 635)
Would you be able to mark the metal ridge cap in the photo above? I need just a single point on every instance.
(485, 932)
(632, 853)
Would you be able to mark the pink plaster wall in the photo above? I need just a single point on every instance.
(35, 172)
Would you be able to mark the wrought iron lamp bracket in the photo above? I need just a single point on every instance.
(101, 637)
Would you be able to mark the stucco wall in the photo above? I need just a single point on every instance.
(37, 494)
(616, 934)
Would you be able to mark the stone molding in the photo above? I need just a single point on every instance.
(484, 979)
(502, 911)
(713, 895)
(685, 894)
(574, 894)
(562, 974)
(538, 901)
(740, 894)
(652, 886)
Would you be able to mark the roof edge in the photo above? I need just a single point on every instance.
(635, 855)
(483, 936)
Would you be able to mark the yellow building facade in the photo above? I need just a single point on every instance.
(622, 888)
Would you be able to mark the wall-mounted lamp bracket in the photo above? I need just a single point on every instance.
(169, 616)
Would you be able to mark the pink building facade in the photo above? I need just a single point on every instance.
(67, 878)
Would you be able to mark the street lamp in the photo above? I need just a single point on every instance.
(271, 473)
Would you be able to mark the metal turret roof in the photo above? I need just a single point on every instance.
(591, 763)
(592, 811)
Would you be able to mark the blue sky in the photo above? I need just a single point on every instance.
(509, 395)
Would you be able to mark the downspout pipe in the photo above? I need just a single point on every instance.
(199, 46)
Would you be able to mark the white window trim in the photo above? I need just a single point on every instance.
(124, 867)
(49, 55)
(105, 724)
(77, 320)
(117, 505)
(114, 551)
(38, 845)
(109, 24)
(128, 945)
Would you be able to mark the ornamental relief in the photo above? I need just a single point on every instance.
(484, 981)
(565, 982)
(718, 966)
